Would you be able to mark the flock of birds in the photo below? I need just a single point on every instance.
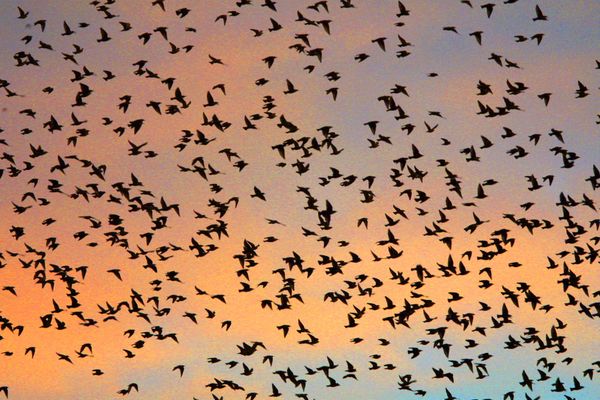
(408, 273)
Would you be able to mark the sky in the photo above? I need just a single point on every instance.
(298, 174)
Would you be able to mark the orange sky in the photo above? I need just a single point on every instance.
(449, 100)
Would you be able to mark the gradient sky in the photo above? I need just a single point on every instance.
(441, 42)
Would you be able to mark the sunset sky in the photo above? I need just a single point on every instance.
(181, 179)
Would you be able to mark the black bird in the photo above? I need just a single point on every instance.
(539, 15)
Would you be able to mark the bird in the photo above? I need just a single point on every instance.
(489, 8)
(103, 36)
(545, 97)
(22, 15)
(478, 35)
(539, 15)
(180, 369)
